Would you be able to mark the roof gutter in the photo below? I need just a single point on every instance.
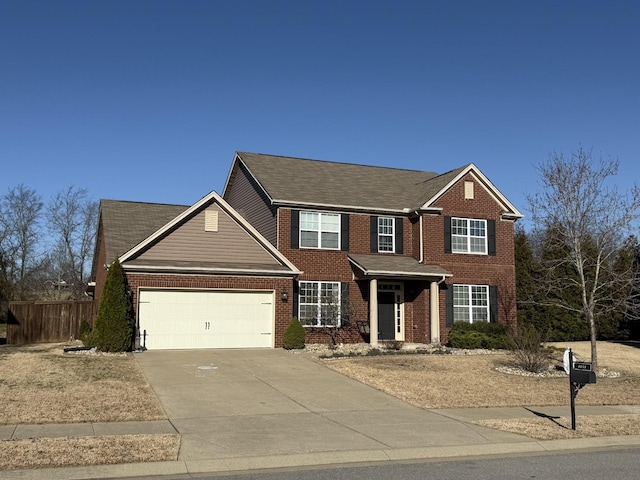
(287, 203)
(200, 270)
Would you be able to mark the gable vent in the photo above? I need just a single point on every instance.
(210, 220)
(468, 190)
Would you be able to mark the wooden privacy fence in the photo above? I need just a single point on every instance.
(42, 322)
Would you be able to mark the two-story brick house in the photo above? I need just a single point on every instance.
(404, 252)
(349, 249)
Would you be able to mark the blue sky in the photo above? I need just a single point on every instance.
(149, 100)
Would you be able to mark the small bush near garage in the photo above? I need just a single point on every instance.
(294, 335)
(492, 336)
(113, 329)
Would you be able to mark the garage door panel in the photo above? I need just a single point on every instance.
(175, 319)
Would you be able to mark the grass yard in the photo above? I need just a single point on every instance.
(471, 381)
(74, 451)
(42, 384)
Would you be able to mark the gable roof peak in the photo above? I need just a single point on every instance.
(266, 156)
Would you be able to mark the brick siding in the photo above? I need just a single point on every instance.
(282, 308)
(498, 270)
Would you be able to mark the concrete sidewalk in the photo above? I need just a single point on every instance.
(257, 409)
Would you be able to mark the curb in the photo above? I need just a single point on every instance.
(320, 459)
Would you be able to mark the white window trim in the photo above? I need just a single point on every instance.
(392, 235)
(468, 236)
(471, 306)
(319, 231)
(318, 305)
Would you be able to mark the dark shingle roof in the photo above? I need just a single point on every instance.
(395, 265)
(125, 224)
(316, 182)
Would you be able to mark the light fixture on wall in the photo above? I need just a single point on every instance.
(284, 296)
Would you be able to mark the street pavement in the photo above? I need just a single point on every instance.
(239, 410)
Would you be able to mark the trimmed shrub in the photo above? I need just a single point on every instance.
(113, 329)
(487, 335)
(294, 336)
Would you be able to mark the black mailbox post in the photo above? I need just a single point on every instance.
(580, 373)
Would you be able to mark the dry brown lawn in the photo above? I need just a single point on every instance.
(42, 384)
(73, 451)
(560, 428)
(471, 381)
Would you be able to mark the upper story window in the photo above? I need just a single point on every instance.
(471, 303)
(320, 230)
(386, 234)
(468, 235)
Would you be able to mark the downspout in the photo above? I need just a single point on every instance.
(421, 239)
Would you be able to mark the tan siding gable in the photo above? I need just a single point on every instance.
(190, 242)
(247, 198)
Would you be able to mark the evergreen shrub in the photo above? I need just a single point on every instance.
(492, 336)
(294, 336)
(113, 329)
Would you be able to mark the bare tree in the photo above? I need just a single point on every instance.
(590, 220)
(71, 216)
(20, 210)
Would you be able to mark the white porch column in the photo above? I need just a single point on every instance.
(434, 312)
(373, 311)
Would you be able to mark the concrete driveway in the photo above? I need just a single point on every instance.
(230, 404)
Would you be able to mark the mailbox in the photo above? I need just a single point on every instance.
(581, 373)
(583, 376)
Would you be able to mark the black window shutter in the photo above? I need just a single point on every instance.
(491, 236)
(449, 304)
(344, 304)
(493, 304)
(447, 234)
(374, 234)
(399, 236)
(295, 228)
(294, 303)
(344, 232)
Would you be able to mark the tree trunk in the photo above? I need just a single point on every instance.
(592, 330)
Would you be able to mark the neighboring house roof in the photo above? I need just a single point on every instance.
(395, 266)
(126, 224)
(289, 181)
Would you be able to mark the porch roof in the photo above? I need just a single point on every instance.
(394, 266)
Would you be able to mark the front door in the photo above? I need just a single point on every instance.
(386, 315)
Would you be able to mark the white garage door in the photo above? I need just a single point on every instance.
(175, 319)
